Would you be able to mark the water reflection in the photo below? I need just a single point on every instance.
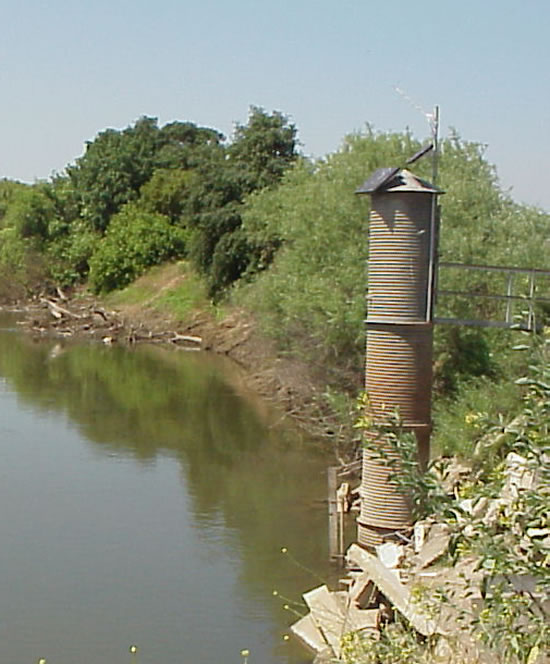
(248, 489)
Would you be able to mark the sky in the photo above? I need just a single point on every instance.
(72, 68)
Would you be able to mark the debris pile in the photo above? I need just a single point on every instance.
(85, 318)
(414, 576)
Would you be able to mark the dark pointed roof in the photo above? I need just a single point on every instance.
(396, 179)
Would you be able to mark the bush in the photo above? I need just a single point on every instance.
(22, 267)
(69, 250)
(134, 241)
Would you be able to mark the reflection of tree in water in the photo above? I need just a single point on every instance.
(133, 401)
(264, 484)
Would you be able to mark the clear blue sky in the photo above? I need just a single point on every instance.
(69, 69)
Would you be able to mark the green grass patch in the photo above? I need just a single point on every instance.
(187, 296)
(174, 289)
(477, 403)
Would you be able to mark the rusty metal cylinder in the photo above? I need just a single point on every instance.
(399, 372)
(398, 380)
(399, 246)
(399, 343)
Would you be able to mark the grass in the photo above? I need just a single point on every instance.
(173, 289)
(457, 419)
(182, 299)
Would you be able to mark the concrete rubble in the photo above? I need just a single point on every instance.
(402, 576)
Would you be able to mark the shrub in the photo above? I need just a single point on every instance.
(134, 241)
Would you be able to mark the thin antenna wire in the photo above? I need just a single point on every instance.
(432, 266)
(433, 121)
(415, 105)
(435, 137)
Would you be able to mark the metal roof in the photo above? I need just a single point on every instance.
(396, 179)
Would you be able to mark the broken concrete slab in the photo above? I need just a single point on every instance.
(356, 619)
(420, 531)
(390, 554)
(398, 594)
(457, 650)
(310, 635)
(356, 557)
(519, 475)
(334, 615)
(452, 475)
(362, 591)
(436, 544)
(363, 619)
(327, 615)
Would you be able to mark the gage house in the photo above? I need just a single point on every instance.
(402, 272)
(401, 269)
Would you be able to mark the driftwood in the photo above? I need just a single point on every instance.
(88, 319)
(57, 311)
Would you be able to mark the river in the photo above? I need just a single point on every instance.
(146, 497)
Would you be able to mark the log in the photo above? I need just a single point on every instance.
(57, 311)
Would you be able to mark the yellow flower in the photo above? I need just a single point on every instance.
(470, 418)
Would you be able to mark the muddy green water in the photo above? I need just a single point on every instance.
(145, 498)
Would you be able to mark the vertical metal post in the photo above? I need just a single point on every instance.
(531, 319)
(332, 477)
(509, 292)
(433, 219)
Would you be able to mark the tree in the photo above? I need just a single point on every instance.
(30, 212)
(260, 153)
(167, 192)
(263, 148)
(112, 169)
(117, 164)
(180, 144)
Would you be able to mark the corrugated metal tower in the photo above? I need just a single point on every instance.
(401, 267)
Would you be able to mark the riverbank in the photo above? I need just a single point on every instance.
(145, 313)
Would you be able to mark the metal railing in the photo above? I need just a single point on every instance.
(529, 298)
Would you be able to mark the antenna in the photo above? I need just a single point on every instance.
(433, 121)
(432, 269)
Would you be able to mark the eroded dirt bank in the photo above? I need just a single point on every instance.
(286, 383)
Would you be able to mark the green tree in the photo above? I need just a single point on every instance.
(113, 168)
(30, 212)
(8, 192)
(263, 148)
(258, 156)
(167, 193)
(180, 145)
(117, 164)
